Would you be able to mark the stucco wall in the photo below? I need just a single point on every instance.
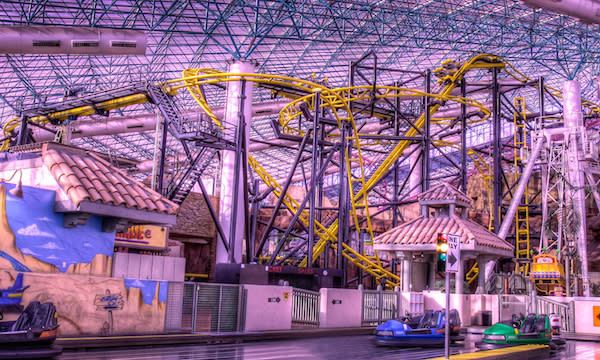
(80, 307)
(268, 307)
(340, 308)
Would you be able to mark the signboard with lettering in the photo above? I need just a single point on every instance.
(150, 237)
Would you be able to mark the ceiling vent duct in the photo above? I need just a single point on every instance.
(587, 11)
(71, 40)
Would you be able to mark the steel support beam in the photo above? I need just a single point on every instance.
(497, 150)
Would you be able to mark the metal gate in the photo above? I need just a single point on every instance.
(566, 311)
(174, 309)
(305, 308)
(379, 306)
(205, 308)
(513, 304)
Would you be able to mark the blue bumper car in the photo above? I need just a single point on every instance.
(425, 330)
(32, 335)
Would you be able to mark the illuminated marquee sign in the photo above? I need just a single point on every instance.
(143, 237)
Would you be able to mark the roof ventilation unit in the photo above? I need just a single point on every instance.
(71, 40)
(587, 11)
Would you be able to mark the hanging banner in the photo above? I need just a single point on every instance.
(151, 237)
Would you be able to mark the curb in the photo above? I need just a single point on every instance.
(205, 338)
(521, 352)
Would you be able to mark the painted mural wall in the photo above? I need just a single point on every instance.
(92, 305)
(40, 260)
(33, 238)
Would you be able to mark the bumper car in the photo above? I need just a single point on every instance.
(534, 329)
(425, 330)
(32, 335)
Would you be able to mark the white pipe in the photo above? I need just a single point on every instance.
(516, 199)
(587, 11)
(139, 123)
(71, 40)
(576, 160)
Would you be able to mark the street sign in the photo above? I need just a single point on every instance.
(453, 258)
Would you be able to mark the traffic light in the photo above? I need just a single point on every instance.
(442, 251)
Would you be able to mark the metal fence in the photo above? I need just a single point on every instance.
(201, 307)
(305, 308)
(509, 304)
(174, 310)
(379, 306)
(566, 311)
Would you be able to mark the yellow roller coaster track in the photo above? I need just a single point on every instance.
(342, 113)
(337, 99)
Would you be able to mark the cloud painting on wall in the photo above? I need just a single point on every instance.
(39, 232)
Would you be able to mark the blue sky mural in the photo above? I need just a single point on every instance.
(40, 233)
(149, 289)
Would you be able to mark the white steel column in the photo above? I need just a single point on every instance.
(406, 268)
(576, 160)
(459, 277)
(416, 178)
(234, 107)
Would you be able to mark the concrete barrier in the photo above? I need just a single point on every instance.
(587, 315)
(436, 300)
(340, 308)
(268, 307)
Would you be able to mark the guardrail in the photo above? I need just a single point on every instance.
(202, 307)
(379, 306)
(566, 311)
(305, 308)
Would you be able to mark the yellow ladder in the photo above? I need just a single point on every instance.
(472, 274)
(522, 244)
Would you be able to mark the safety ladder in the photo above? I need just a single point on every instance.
(472, 274)
(522, 244)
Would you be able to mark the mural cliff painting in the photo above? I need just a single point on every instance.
(71, 267)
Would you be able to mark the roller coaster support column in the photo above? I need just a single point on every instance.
(22, 139)
(576, 160)
(163, 154)
(426, 138)
(343, 197)
(543, 235)
(463, 138)
(313, 179)
(497, 150)
(396, 169)
(238, 112)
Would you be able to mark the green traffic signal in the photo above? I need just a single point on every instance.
(443, 256)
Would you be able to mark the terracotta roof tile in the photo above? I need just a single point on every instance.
(445, 191)
(421, 231)
(87, 177)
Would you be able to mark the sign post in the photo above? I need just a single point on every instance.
(452, 263)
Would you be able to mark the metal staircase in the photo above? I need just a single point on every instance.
(183, 182)
(199, 130)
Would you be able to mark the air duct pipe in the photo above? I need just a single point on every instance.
(71, 40)
(139, 122)
(587, 11)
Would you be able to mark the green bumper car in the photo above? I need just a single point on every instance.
(534, 329)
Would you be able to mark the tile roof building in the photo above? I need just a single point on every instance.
(419, 236)
(87, 184)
